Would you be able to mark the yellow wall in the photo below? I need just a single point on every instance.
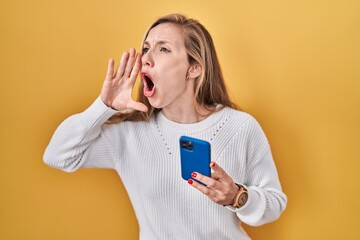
(294, 65)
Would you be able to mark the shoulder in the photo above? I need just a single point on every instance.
(240, 118)
(243, 123)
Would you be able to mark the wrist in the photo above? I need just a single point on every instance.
(236, 190)
(107, 103)
(241, 197)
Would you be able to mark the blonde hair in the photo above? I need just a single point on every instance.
(209, 86)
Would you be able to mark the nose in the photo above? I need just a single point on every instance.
(147, 60)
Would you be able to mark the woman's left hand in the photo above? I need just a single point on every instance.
(220, 188)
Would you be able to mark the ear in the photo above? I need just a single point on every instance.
(194, 71)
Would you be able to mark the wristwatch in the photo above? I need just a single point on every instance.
(241, 197)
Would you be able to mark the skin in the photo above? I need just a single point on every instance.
(164, 58)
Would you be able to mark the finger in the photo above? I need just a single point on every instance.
(135, 71)
(138, 106)
(110, 69)
(210, 182)
(220, 173)
(205, 190)
(122, 64)
(215, 176)
(130, 63)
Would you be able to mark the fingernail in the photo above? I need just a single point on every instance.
(190, 181)
(212, 164)
(194, 174)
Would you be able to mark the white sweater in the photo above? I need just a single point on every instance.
(146, 156)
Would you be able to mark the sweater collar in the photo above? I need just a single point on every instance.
(210, 121)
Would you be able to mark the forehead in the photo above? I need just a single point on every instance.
(167, 32)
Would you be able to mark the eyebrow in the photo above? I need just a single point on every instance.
(158, 42)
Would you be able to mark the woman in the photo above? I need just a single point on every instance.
(182, 93)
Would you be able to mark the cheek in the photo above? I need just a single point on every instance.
(170, 84)
(171, 72)
(174, 79)
(176, 69)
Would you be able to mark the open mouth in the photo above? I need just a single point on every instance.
(149, 86)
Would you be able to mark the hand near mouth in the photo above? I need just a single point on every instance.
(116, 90)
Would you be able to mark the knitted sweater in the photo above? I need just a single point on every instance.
(147, 159)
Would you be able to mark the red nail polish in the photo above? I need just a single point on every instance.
(213, 164)
(190, 181)
(194, 174)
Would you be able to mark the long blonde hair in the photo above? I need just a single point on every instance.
(209, 86)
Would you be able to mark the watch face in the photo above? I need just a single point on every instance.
(243, 199)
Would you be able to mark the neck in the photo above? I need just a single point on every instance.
(186, 114)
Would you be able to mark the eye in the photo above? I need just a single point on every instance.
(165, 50)
(145, 50)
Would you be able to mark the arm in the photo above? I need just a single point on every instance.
(83, 140)
(266, 201)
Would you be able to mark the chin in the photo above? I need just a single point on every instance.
(154, 103)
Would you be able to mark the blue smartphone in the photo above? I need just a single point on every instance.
(195, 155)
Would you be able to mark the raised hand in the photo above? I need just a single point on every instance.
(220, 188)
(116, 90)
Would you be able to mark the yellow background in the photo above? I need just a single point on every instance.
(294, 65)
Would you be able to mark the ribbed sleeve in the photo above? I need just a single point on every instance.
(266, 200)
(74, 136)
